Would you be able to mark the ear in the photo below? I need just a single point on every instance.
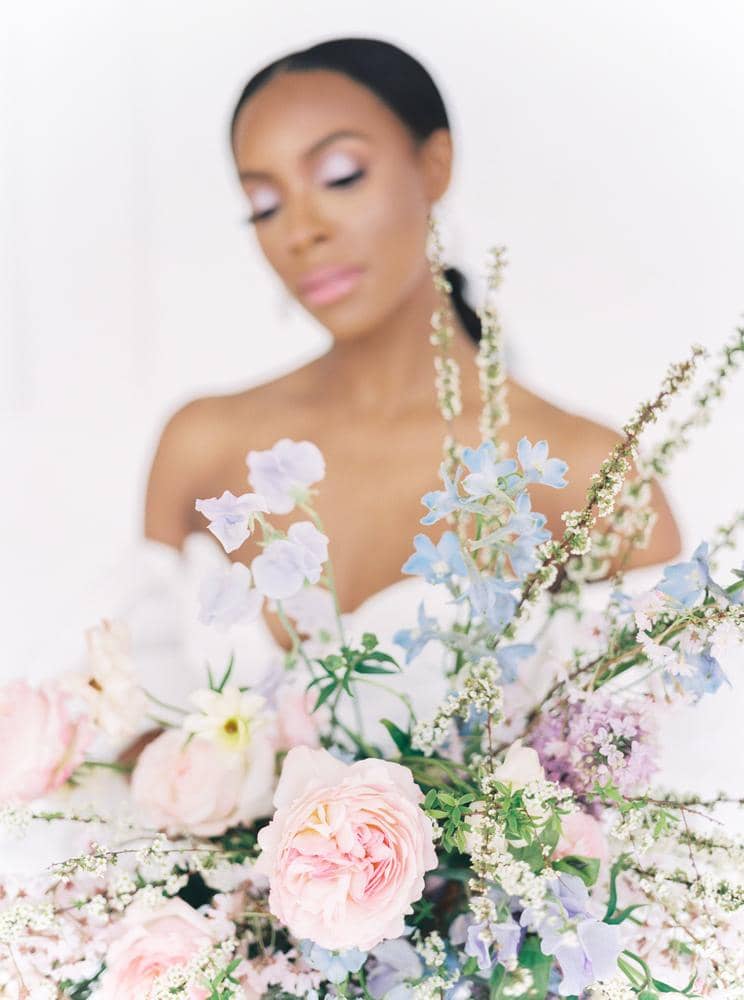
(436, 163)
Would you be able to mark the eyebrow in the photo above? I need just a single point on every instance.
(343, 133)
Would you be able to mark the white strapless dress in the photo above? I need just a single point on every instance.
(156, 594)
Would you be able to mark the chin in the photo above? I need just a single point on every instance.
(351, 319)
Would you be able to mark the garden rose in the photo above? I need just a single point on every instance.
(347, 849)
(200, 786)
(149, 941)
(42, 743)
(581, 836)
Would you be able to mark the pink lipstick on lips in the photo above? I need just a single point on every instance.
(325, 285)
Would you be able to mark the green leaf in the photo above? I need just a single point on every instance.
(531, 957)
(324, 695)
(400, 739)
(369, 668)
(226, 676)
(587, 869)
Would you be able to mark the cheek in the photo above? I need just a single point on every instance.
(389, 230)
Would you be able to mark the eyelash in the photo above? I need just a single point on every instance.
(341, 182)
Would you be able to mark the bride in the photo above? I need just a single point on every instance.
(343, 150)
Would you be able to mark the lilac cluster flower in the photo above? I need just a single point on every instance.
(598, 742)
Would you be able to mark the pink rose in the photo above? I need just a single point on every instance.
(581, 835)
(346, 850)
(201, 787)
(42, 743)
(149, 941)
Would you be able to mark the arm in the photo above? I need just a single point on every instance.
(177, 470)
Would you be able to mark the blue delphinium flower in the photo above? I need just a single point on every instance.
(334, 965)
(707, 676)
(537, 467)
(530, 532)
(686, 582)
(437, 563)
(488, 475)
(440, 503)
(509, 658)
(492, 598)
(413, 640)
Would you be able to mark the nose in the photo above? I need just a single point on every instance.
(305, 224)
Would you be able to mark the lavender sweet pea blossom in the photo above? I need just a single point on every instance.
(587, 955)
(283, 567)
(284, 473)
(231, 518)
(226, 598)
(396, 962)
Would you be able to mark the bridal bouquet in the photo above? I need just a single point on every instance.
(279, 841)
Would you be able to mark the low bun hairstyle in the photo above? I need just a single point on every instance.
(400, 82)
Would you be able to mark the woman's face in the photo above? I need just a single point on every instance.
(340, 195)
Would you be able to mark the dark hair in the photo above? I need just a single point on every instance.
(400, 82)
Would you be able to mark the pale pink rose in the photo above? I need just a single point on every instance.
(581, 835)
(296, 723)
(42, 743)
(347, 849)
(201, 787)
(148, 941)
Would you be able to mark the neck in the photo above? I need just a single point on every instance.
(389, 370)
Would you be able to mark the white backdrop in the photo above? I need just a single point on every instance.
(602, 143)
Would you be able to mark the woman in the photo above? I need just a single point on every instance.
(343, 150)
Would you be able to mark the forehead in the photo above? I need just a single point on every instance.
(295, 109)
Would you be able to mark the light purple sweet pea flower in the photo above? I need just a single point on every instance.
(396, 961)
(226, 598)
(231, 518)
(537, 467)
(313, 546)
(283, 473)
(506, 937)
(283, 567)
(588, 956)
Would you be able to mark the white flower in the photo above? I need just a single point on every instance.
(230, 717)
(521, 767)
(283, 473)
(108, 686)
(648, 608)
(227, 598)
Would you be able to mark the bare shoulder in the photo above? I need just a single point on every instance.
(584, 444)
(202, 449)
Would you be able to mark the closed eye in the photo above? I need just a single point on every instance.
(337, 182)
(347, 180)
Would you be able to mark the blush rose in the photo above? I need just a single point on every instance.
(347, 849)
(42, 742)
(197, 786)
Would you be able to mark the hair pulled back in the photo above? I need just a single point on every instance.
(399, 81)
